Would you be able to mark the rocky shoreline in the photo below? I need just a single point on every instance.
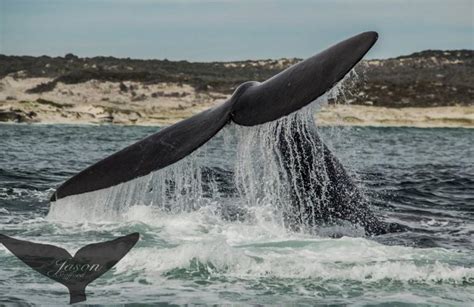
(425, 89)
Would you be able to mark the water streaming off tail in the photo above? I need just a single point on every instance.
(241, 172)
(270, 165)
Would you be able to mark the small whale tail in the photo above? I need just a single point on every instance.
(89, 262)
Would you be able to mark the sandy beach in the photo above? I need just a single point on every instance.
(136, 103)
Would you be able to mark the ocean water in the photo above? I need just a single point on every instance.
(420, 178)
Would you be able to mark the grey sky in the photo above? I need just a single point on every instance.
(206, 30)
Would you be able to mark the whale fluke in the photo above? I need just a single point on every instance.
(302, 83)
(89, 262)
(252, 103)
(161, 149)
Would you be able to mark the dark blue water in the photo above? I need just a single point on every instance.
(420, 178)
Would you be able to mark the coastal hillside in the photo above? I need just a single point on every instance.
(130, 91)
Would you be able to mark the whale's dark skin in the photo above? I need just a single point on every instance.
(252, 103)
(321, 191)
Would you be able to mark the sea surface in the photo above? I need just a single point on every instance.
(420, 178)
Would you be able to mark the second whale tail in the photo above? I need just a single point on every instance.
(89, 263)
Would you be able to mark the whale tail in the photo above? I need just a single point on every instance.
(89, 262)
(251, 104)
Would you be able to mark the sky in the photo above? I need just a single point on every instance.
(221, 30)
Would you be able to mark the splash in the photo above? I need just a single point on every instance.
(243, 173)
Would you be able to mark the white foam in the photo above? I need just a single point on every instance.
(343, 259)
(264, 249)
